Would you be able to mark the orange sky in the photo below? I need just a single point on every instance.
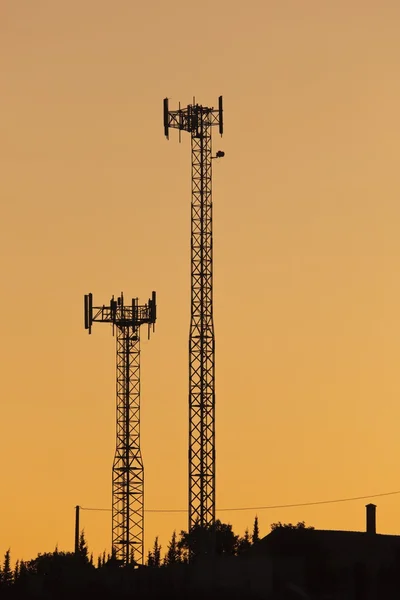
(307, 254)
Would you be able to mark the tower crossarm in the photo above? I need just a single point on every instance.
(120, 314)
(191, 118)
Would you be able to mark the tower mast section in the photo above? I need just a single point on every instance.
(199, 121)
(128, 471)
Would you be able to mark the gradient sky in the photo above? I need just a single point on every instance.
(307, 255)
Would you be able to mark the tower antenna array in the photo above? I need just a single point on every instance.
(199, 121)
(128, 473)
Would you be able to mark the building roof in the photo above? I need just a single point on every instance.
(296, 542)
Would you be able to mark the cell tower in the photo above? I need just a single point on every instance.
(128, 473)
(199, 120)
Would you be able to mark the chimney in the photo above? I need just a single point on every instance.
(371, 518)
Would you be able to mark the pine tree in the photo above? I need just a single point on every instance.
(7, 575)
(23, 570)
(247, 537)
(244, 543)
(83, 549)
(173, 553)
(104, 558)
(256, 532)
(91, 558)
(157, 553)
(154, 558)
(16, 571)
(99, 561)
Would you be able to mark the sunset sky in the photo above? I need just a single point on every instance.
(307, 256)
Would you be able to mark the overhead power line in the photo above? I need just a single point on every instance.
(270, 507)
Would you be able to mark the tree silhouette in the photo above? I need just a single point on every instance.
(22, 574)
(226, 540)
(154, 558)
(299, 525)
(83, 547)
(244, 543)
(16, 571)
(112, 560)
(6, 574)
(173, 555)
(201, 539)
(150, 561)
(256, 532)
(157, 553)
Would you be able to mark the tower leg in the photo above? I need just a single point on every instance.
(128, 472)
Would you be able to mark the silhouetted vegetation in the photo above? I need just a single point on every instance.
(244, 543)
(295, 555)
(299, 525)
(68, 575)
(174, 553)
(256, 532)
(154, 557)
(7, 575)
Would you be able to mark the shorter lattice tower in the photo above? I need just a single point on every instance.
(128, 472)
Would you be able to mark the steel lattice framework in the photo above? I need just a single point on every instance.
(198, 121)
(128, 472)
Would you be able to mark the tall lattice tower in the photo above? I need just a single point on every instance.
(199, 121)
(128, 472)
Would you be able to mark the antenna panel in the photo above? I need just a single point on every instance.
(86, 311)
(153, 307)
(166, 118)
(134, 312)
(90, 312)
(221, 120)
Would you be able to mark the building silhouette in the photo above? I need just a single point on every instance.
(350, 565)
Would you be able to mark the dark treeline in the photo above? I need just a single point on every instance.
(226, 543)
(294, 561)
(68, 575)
